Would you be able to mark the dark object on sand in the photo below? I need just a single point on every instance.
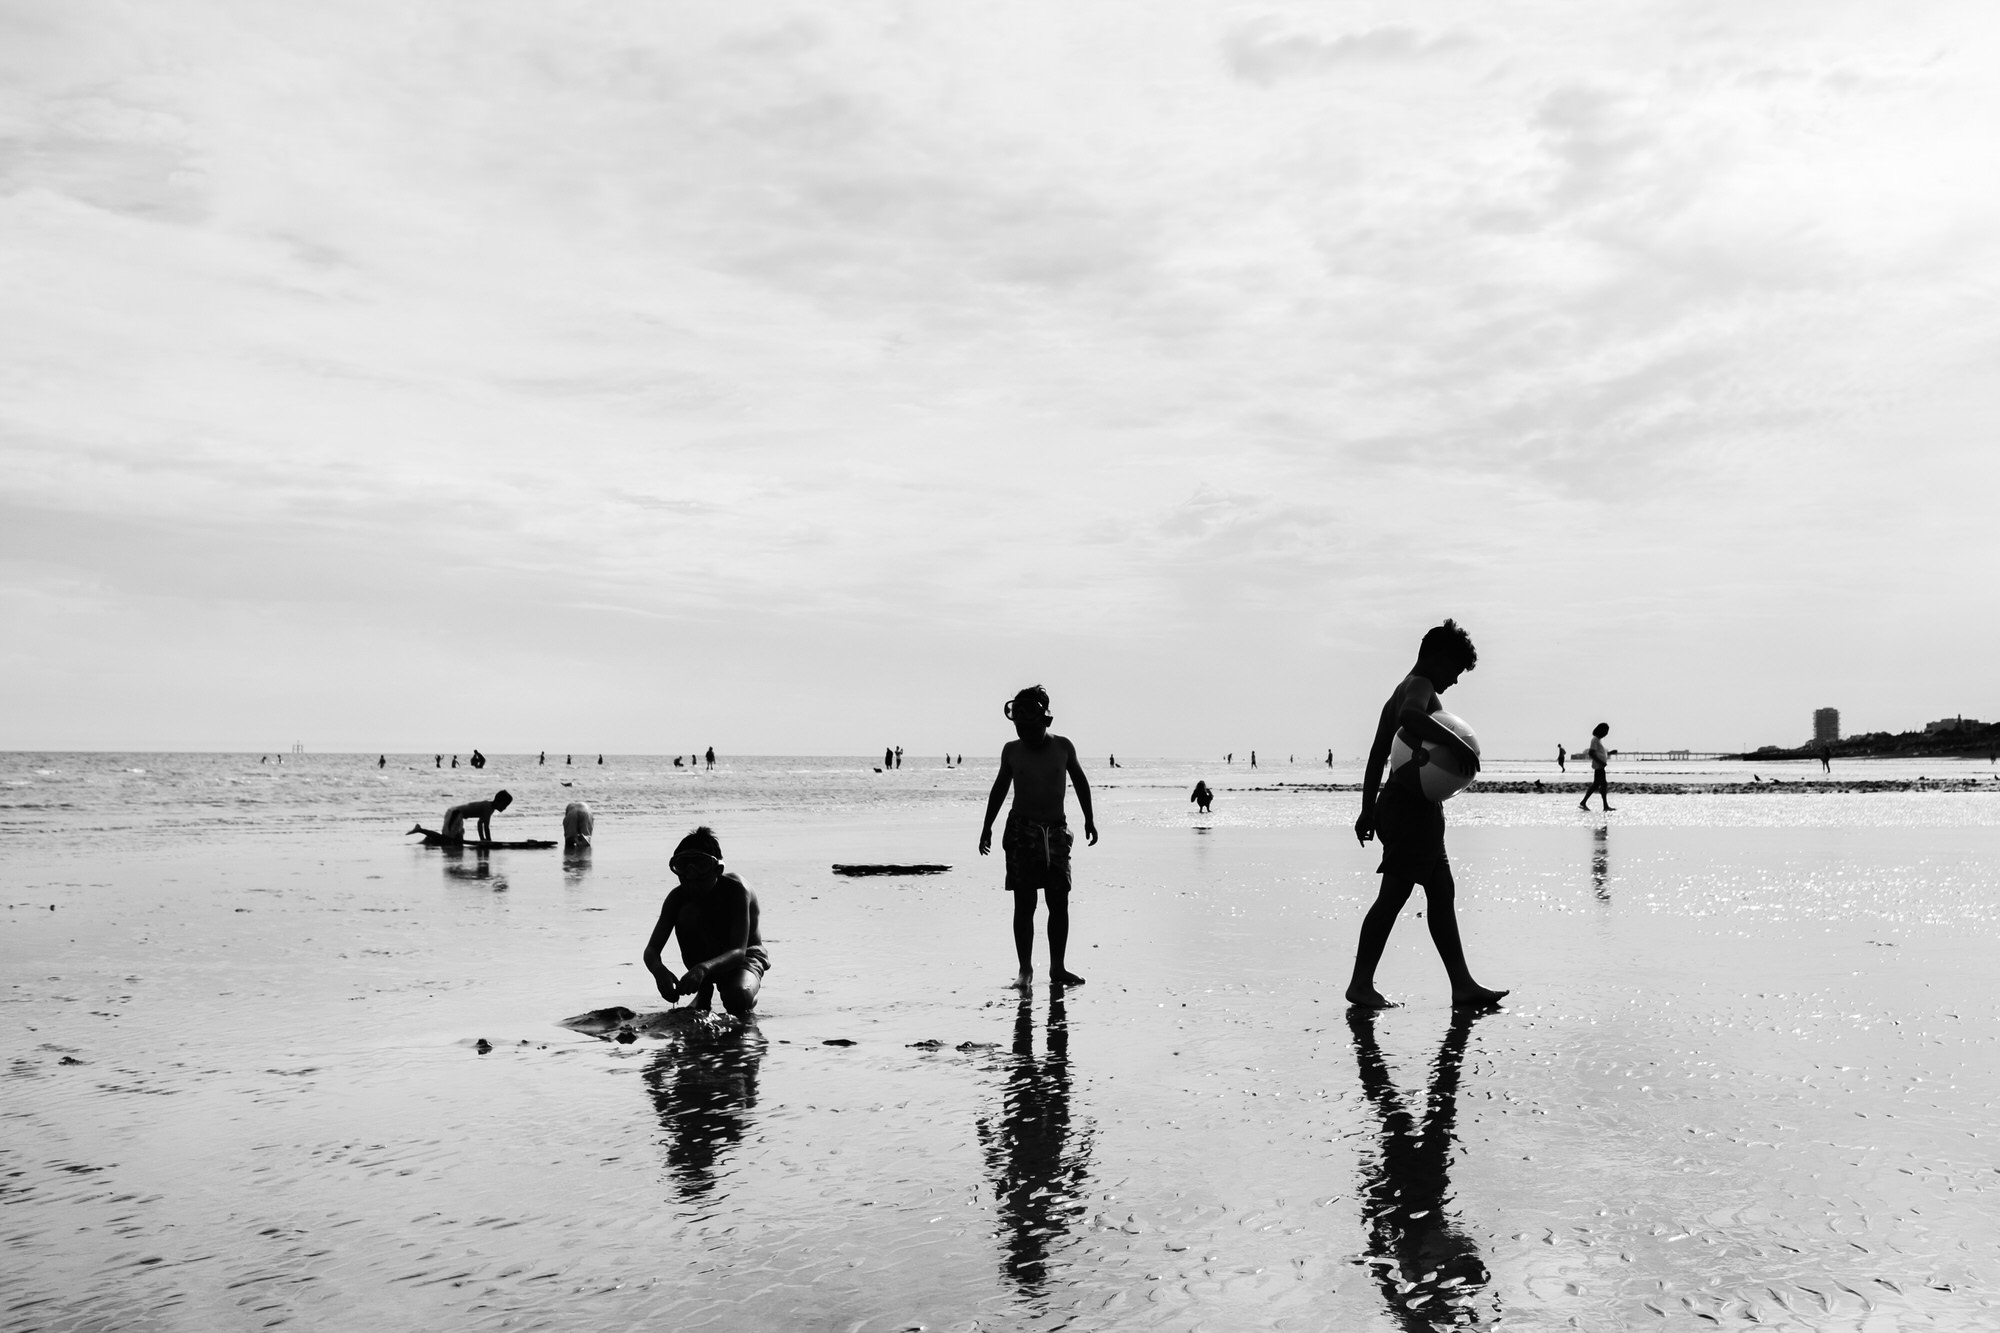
(839, 869)
(482, 1046)
(432, 838)
(838, 1041)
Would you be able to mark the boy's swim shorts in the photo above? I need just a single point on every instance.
(1412, 833)
(1037, 855)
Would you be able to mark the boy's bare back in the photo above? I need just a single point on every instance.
(1039, 776)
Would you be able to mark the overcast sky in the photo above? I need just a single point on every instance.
(628, 377)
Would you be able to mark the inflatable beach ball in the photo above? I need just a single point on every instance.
(1437, 771)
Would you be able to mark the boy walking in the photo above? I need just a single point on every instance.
(1411, 825)
(1037, 840)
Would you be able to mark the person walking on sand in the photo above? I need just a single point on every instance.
(1036, 841)
(1562, 758)
(711, 756)
(1600, 759)
(715, 915)
(1411, 825)
(381, 761)
(1201, 796)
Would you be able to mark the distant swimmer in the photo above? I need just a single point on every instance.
(715, 916)
(711, 756)
(1562, 758)
(1036, 841)
(480, 811)
(1201, 796)
(454, 761)
(578, 824)
(1411, 825)
(1600, 759)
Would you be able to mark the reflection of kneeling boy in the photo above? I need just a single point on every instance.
(715, 916)
(1411, 825)
(1036, 840)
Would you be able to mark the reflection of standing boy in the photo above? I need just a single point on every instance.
(1411, 825)
(1600, 760)
(1037, 840)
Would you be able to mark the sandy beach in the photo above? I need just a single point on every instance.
(1746, 1074)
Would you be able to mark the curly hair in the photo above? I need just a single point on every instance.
(1449, 643)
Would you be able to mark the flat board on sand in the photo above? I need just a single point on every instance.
(839, 869)
(438, 840)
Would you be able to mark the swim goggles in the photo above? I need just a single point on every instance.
(694, 861)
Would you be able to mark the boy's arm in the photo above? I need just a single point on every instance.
(1415, 718)
(1371, 772)
(735, 926)
(1082, 785)
(662, 976)
(996, 796)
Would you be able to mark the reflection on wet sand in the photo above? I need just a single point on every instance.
(1037, 1161)
(481, 867)
(1431, 1274)
(1600, 861)
(704, 1092)
(576, 865)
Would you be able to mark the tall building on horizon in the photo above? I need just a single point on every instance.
(1826, 726)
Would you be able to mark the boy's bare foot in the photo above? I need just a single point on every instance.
(1583, 805)
(1066, 979)
(1476, 998)
(1368, 999)
(1609, 808)
(1025, 980)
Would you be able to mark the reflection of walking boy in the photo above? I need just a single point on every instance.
(1037, 840)
(1411, 825)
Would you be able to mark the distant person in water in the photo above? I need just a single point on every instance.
(542, 758)
(899, 756)
(382, 761)
(715, 917)
(1329, 759)
(888, 757)
(711, 756)
(454, 761)
(678, 763)
(1201, 796)
(440, 761)
(1600, 760)
(1562, 758)
(1253, 759)
(600, 760)
(569, 759)
(481, 811)
(1411, 825)
(478, 760)
(578, 824)
(1036, 841)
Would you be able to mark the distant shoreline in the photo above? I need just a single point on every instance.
(1693, 787)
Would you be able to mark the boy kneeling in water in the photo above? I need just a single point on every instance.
(716, 918)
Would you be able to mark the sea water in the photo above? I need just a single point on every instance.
(269, 1064)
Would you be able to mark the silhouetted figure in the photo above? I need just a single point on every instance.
(381, 761)
(1600, 861)
(1430, 1271)
(542, 758)
(1037, 1161)
(703, 1091)
(888, 757)
(1329, 759)
(715, 915)
(263, 758)
(899, 756)
(1253, 759)
(578, 824)
(677, 762)
(482, 811)
(600, 761)
(961, 759)
(1036, 841)
(1825, 759)
(440, 761)
(1539, 786)
(1600, 761)
(1562, 758)
(711, 756)
(454, 761)
(568, 759)
(1113, 762)
(1201, 796)
(478, 760)
(1229, 758)
(1411, 824)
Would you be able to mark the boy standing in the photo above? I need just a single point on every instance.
(1037, 840)
(1411, 825)
(1600, 760)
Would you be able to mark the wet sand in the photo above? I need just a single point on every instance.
(1747, 1074)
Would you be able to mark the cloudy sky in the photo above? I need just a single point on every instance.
(628, 377)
